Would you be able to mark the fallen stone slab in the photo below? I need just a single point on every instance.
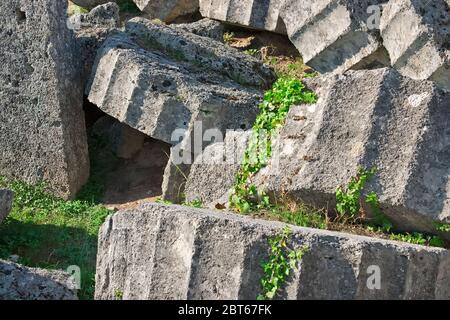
(367, 119)
(254, 14)
(167, 10)
(166, 83)
(42, 131)
(174, 252)
(91, 30)
(6, 201)
(18, 282)
(416, 34)
(334, 36)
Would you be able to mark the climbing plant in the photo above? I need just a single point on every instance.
(286, 91)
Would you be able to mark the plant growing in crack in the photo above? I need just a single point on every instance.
(285, 92)
(282, 261)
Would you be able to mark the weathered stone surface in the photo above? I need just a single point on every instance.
(174, 252)
(368, 119)
(167, 10)
(91, 30)
(416, 33)
(89, 4)
(22, 283)
(42, 132)
(255, 14)
(206, 28)
(213, 173)
(332, 36)
(157, 79)
(6, 201)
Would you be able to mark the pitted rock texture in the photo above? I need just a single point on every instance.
(255, 14)
(6, 201)
(417, 35)
(91, 30)
(163, 82)
(42, 131)
(369, 119)
(167, 10)
(22, 283)
(205, 27)
(175, 252)
(333, 35)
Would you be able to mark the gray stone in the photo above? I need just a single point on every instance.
(167, 10)
(369, 119)
(206, 28)
(255, 14)
(416, 34)
(91, 30)
(42, 131)
(213, 173)
(18, 282)
(158, 80)
(6, 202)
(89, 4)
(174, 252)
(333, 36)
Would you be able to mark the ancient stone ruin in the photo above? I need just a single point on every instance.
(208, 141)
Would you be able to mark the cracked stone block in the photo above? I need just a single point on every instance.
(416, 34)
(42, 130)
(254, 14)
(173, 252)
(387, 121)
(333, 36)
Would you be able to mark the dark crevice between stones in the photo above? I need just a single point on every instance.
(127, 166)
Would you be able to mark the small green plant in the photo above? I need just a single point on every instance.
(118, 294)
(282, 261)
(162, 201)
(380, 219)
(228, 37)
(252, 52)
(285, 92)
(197, 203)
(348, 202)
(442, 227)
(419, 238)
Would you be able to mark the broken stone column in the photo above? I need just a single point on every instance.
(42, 130)
(174, 252)
(334, 36)
(416, 34)
(6, 201)
(18, 282)
(167, 10)
(254, 14)
(367, 119)
(176, 86)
